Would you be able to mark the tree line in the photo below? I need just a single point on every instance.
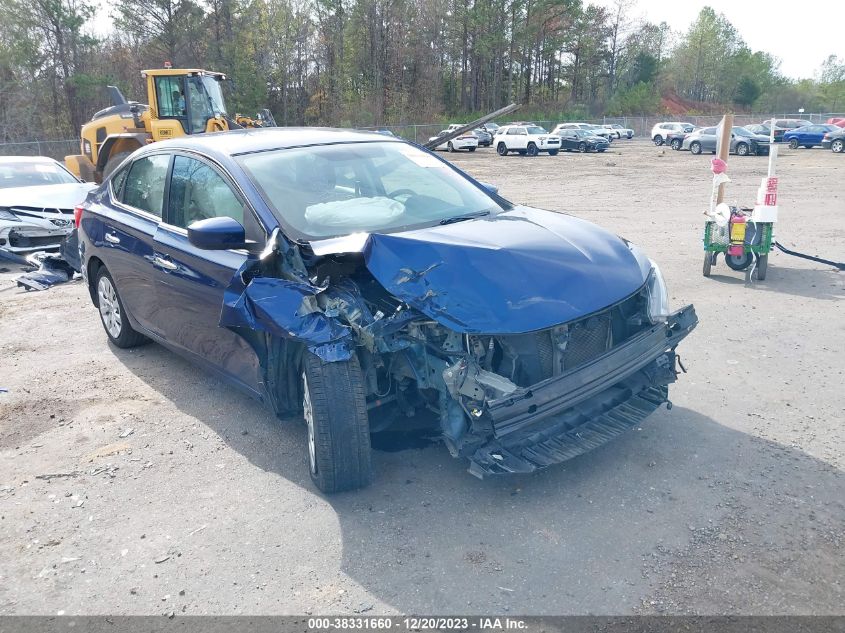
(378, 62)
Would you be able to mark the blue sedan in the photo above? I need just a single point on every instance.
(808, 136)
(357, 280)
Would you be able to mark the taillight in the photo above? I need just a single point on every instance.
(77, 216)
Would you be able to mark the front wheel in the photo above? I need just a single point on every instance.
(472, 149)
(838, 146)
(695, 147)
(582, 147)
(335, 411)
(793, 143)
(450, 147)
(739, 262)
(502, 149)
(676, 144)
(113, 315)
(742, 149)
(532, 150)
(658, 140)
(708, 263)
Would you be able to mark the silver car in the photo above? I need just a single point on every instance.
(37, 198)
(743, 142)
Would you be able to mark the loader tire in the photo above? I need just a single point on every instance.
(113, 163)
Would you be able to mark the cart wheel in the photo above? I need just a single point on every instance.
(739, 262)
(708, 263)
(762, 265)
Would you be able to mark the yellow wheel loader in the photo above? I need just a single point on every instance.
(181, 101)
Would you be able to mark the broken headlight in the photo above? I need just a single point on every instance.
(658, 296)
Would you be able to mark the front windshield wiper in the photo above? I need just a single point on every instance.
(466, 216)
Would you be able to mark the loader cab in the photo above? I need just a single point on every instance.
(185, 102)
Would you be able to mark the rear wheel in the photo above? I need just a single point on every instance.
(742, 149)
(532, 150)
(502, 149)
(553, 152)
(676, 144)
(708, 263)
(695, 147)
(472, 149)
(582, 147)
(793, 143)
(762, 265)
(335, 412)
(112, 313)
(113, 163)
(837, 146)
(450, 147)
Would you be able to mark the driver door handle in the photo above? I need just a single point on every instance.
(164, 263)
(112, 238)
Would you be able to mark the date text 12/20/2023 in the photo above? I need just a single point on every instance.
(415, 623)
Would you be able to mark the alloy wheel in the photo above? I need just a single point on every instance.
(109, 307)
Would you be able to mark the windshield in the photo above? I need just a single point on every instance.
(33, 174)
(206, 101)
(333, 190)
(741, 131)
(536, 129)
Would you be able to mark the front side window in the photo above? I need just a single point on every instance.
(333, 190)
(144, 187)
(205, 101)
(199, 192)
(171, 97)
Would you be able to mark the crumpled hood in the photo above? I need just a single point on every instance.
(518, 271)
(64, 196)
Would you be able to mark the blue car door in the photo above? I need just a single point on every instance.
(130, 217)
(192, 281)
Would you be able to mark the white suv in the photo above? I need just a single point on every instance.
(660, 132)
(525, 138)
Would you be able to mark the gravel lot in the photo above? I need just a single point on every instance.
(133, 483)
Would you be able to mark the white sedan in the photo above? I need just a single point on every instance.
(37, 198)
(466, 141)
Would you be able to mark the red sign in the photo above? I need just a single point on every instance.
(771, 199)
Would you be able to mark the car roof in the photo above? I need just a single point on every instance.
(261, 139)
(26, 159)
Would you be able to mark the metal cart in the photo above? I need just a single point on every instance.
(758, 243)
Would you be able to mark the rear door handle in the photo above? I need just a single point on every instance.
(112, 238)
(164, 263)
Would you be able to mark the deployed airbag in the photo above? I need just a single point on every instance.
(374, 212)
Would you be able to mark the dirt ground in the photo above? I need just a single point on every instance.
(133, 483)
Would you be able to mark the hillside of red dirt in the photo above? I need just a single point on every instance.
(674, 104)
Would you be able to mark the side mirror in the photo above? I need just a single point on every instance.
(217, 234)
(491, 188)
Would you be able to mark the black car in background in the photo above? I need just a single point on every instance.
(582, 141)
(834, 141)
(485, 138)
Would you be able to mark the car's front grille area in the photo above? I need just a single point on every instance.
(587, 340)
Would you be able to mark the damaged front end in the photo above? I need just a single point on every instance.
(507, 402)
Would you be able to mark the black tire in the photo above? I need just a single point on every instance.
(553, 152)
(742, 149)
(740, 262)
(338, 440)
(762, 266)
(676, 144)
(708, 263)
(532, 150)
(695, 148)
(630, 136)
(793, 143)
(808, 147)
(658, 140)
(582, 147)
(472, 149)
(502, 149)
(113, 314)
(601, 150)
(837, 146)
(113, 163)
(450, 147)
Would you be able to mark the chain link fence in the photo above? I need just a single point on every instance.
(53, 149)
(421, 132)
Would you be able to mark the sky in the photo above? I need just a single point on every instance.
(802, 38)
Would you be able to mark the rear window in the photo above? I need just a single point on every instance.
(30, 174)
